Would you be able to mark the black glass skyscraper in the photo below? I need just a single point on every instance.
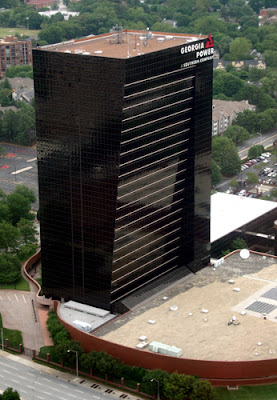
(124, 161)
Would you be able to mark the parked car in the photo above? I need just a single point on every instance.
(242, 192)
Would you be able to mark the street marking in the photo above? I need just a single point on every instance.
(247, 148)
(8, 297)
(23, 391)
(72, 395)
(64, 386)
(49, 394)
(16, 297)
(1, 298)
(40, 397)
(45, 379)
(32, 159)
(24, 299)
(14, 381)
(21, 170)
(8, 366)
(76, 390)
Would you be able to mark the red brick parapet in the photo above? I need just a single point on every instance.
(26, 266)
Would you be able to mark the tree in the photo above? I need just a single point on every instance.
(238, 243)
(69, 356)
(25, 192)
(27, 231)
(252, 178)
(150, 380)
(10, 394)
(240, 48)
(9, 268)
(19, 207)
(273, 192)
(237, 134)
(178, 386)
(255, 151)
(202, 390)
(248, 119)
(233, 183)
(225, 154)
(9, 236)
(216, 175)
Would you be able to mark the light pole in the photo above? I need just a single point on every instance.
(77, 362)
(158, 387)
(261, 131)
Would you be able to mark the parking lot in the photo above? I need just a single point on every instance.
(265, 167)
(19, 167)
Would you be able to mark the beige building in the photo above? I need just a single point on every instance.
(14, 52)
(225, 113)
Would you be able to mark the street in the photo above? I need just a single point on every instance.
(266, 140)
(33, 384)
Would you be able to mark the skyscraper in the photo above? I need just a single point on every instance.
(124, 161)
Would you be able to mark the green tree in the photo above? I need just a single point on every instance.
(19, 207)
(202, 390)
(10, 394)
(237, 134)
(270, 58)
(150, 380)
(216, 174)
(9, 268)
(9, 236)
(252, 178)
(240, 48)
(273, 192)
(248, 119)
(25, 192)
(66, 356)
(27, 231)
(266, 197)
(225, 154)
(9, 126)
(238, 243)
(178, 386)
(255, 151)
(233, 183)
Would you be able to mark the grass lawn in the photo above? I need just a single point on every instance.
(14, 336)
(22, 31)
(20, 284)
(268, 392)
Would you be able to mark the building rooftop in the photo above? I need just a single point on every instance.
(230, 212)
(123, 44)
(194, 314)
(227, 108)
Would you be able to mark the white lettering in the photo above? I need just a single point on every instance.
(192, 47)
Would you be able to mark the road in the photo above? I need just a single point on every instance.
(32, 384)
(266, 140)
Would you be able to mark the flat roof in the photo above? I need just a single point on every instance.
(125, 44)
(229, 212)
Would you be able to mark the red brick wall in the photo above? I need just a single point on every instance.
(217, 372)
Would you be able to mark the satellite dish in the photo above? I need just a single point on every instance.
(244, 254)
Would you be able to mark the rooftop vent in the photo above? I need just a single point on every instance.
(98, 52)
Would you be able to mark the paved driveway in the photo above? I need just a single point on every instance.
(18, 312)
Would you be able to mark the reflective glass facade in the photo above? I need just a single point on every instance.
(124, 162)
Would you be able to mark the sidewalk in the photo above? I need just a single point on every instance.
(100, 387)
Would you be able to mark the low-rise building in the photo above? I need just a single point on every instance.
(256, 63)
(225, 113)
(40, 3)
(14, 52)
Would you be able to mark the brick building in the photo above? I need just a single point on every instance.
(14, 52)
